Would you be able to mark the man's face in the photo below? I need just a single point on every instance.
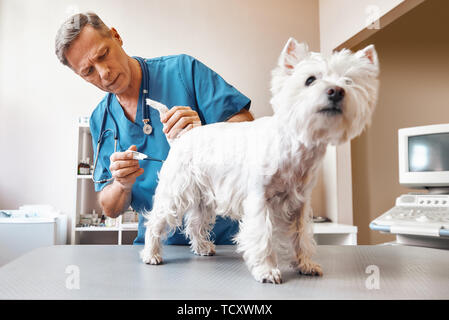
(100, 60)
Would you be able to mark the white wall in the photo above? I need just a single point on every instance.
(342, 19)
(40, 100)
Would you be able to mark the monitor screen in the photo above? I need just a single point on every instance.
(428, 152)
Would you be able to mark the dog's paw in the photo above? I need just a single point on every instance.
(149, 258)
(272, 276)
(207, 249)
(310, 269)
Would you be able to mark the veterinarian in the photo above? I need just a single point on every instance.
(198, 95)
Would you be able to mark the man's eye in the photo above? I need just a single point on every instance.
(89, 71)
(310, 80)
(104, 55)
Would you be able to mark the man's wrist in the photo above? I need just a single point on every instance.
(122, 187)
(123, 195)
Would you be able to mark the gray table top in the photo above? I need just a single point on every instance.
(116, 272)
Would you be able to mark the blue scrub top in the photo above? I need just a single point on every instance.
(179, 80)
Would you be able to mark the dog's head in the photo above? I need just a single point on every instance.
(325, 99)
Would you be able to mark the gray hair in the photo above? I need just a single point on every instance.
(72, 27)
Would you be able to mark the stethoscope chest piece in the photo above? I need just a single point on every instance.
(147, 129)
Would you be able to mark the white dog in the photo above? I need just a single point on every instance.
(262, 172)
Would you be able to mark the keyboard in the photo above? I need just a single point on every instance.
(426, 215)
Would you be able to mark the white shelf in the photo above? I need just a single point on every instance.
(83, 124)
(120, 227)
(84, 176)
(97, 229)
(129, 226)
(333, 228)
(329, 233)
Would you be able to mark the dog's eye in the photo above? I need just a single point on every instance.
(348, 81)
(310, 80)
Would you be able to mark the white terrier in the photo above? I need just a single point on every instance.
(262, 172)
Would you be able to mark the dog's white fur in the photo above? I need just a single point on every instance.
(262, 172)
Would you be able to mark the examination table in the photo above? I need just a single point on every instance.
(116, 272)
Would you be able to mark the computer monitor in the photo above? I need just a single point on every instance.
(424, 157)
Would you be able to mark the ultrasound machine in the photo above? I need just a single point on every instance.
(421, 219)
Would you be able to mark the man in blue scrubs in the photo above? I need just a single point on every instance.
(198, 96)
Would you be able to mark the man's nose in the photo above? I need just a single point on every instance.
(335, 94)
(104, 71)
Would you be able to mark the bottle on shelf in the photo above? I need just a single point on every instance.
(102, 221)
(84, 167)
(95, 218)
(89, 166)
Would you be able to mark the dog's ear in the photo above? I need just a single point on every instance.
(292, 53)
(370, 53)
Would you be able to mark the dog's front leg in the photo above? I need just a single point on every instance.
(255, 240)
(155, 227)
(301, 234)
(151, 253)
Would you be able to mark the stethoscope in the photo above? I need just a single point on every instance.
(147, 128)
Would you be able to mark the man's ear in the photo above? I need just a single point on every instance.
(116, 36)
(292, 54)
(370, 53)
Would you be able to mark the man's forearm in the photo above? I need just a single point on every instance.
(243, 115)
(114, 199)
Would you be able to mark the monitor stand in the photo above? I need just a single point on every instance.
(422, 241)
(438, 190)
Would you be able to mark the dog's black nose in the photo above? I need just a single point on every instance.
(335, 94)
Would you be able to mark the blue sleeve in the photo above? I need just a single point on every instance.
(101, 171)
(216, 99)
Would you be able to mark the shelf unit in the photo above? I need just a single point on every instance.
(86, 200)
(120, 228)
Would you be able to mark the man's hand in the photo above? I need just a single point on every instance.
(124, 169)
(178, 120)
